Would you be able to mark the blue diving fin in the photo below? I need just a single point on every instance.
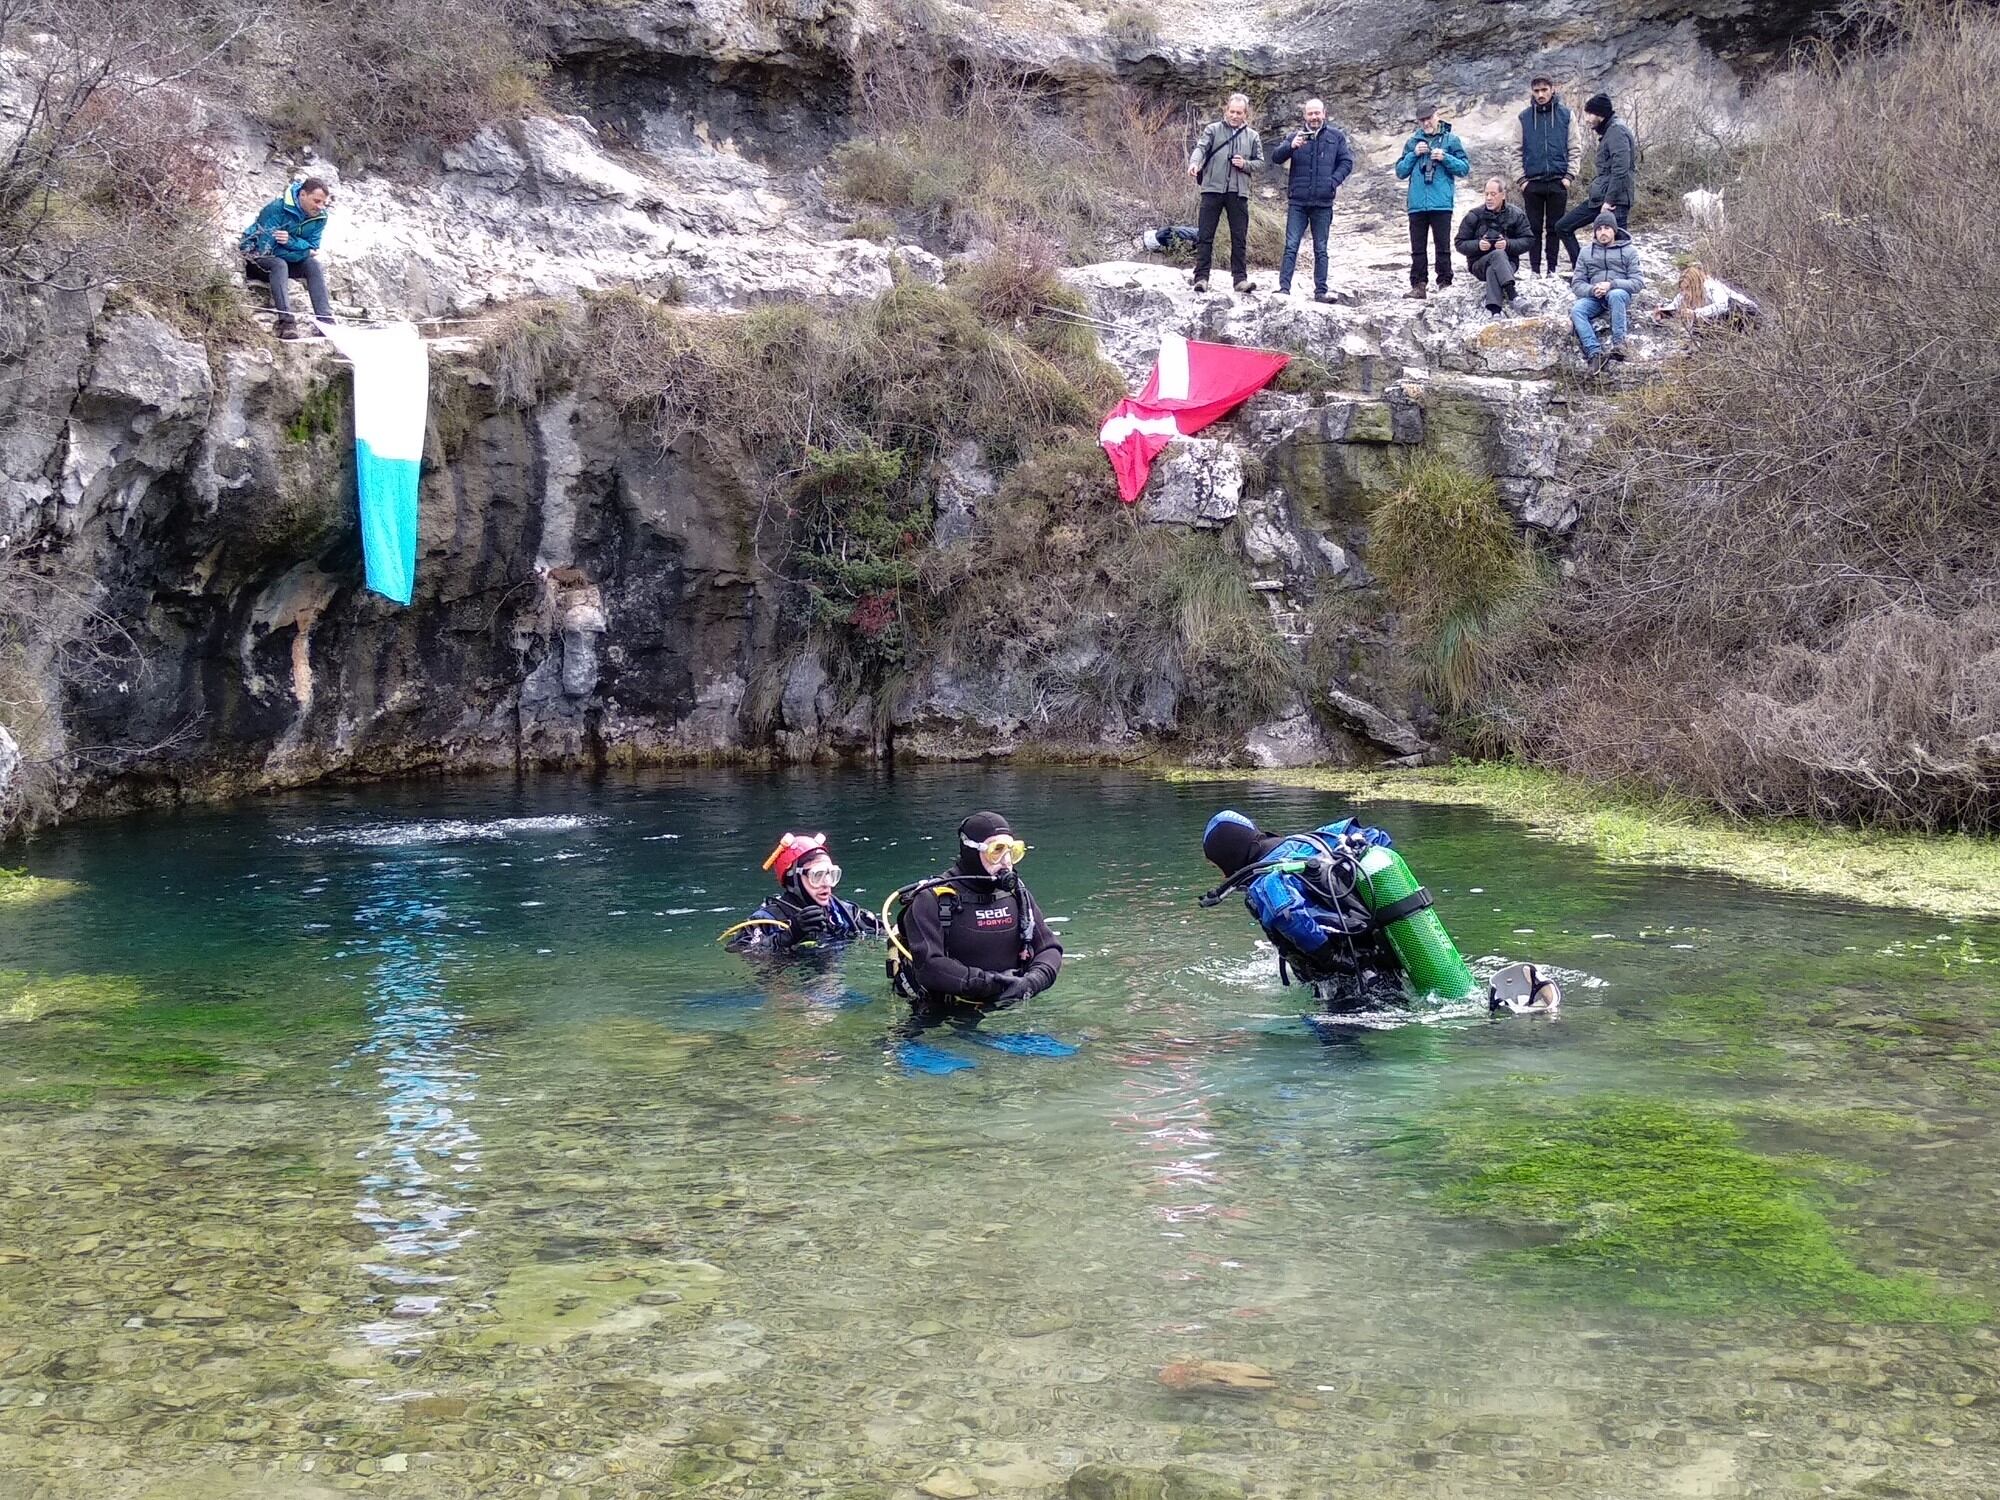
(1021, 1043)
(918, 1058)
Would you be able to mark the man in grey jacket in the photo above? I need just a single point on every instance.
(1225, 154)
(1606, 280)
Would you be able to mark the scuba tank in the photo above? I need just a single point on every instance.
(1403, 908)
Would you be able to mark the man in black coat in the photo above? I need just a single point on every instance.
(1493, 237)
(1615, 178)
(1320, 163)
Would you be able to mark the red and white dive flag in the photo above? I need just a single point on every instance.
(1192, 384)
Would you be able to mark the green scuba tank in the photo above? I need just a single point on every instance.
(1413, 929)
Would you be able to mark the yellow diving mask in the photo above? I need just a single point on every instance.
(1000, 846)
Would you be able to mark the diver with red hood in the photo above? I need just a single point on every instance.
(805, 913)
(973, 938)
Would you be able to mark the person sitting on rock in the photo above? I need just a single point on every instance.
(1319, 163)
(805, 913)
(1225, 155)
(1705, 300)
(282, 244)
(1493, 237)
(1606, 280)
(1433, 160)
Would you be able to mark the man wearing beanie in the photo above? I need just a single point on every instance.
(1616, 176)
(1606, 280)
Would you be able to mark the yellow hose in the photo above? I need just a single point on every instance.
(889, 928)
(730, 932)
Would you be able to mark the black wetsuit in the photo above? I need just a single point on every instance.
(969, 934)
(807, 923)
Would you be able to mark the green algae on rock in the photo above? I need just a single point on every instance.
(18, 888)
(34, 997)
(1660, 1206)
(1953, 875)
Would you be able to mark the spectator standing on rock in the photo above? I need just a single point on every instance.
(1605, 282)
(1433, 160)
(281, 246)
(1225, 154)
(1615, 177)
(1548, 165)
(1493, 237)
(1319, 162)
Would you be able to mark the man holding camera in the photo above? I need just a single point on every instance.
(1433, 160)
(1319, 163)
(1493, 237)
(1224, 156)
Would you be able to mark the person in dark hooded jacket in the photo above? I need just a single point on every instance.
(1300, 889)
(973, 936)
(1615, 180)
(1493, 237)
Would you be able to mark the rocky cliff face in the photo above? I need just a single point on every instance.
(585, 596)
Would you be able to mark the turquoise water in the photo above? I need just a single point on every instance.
(420, 1140)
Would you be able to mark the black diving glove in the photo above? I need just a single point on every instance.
(1016, 989)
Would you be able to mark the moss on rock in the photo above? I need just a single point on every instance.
(1650, 1203)
(18, 889)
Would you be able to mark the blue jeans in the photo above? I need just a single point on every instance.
(1297, 217)
(1586, 308)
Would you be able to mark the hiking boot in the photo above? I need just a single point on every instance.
(1415, 294)
(1618, 352)
(1493, 309)
(1246, 286)
(1322, 296)
(289, 331)
(1201, 284)
(1594, 364)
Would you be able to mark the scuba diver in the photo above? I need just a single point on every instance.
(1300, 888)
(972, 939)
(805, 914)
(1349, 919)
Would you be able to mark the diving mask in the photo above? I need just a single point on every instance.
(1000, 846)
(825, 873)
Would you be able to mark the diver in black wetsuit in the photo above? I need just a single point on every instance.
(805, 914)
(972, 940)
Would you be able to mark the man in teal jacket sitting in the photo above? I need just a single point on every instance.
(1433, 160)
(281, 246)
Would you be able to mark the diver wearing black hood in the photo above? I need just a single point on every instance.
(974, 934)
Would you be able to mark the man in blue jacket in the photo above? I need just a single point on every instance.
(280, 246)
(1320, 163)
(1433, 160)
(1300, 889)
(1548, 166)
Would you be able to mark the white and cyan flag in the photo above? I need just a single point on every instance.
(392, 374)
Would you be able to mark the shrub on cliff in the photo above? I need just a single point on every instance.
(972, 150)
(1458, 569)
(1789, 563)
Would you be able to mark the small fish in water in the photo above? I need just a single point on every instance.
(1219, 1376)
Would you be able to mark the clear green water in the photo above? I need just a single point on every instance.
(420, 1141)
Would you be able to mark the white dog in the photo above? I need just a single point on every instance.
(1704, 207)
